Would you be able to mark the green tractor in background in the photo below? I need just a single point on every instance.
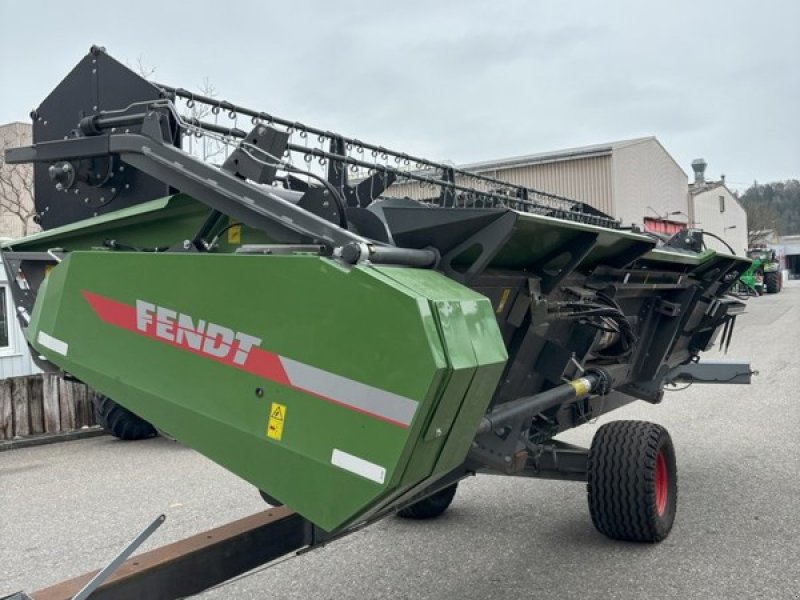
(764, 275)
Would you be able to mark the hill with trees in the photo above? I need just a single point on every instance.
(773, 205)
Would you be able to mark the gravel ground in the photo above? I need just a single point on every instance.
(66, 508)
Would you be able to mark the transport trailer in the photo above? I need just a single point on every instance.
(351, 353)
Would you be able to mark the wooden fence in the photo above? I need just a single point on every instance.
(43, 404)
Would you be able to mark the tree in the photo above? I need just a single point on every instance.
(761, 219)
(209, 150)
(17, 210)
(774, 205)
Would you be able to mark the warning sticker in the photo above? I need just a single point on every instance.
(235, 234)
(277, 416)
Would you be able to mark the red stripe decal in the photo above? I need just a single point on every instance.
(259, 362)
(197, 341)
(112, 312)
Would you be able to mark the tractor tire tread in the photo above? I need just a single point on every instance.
(772, 282)
(119, 421)
(621, 481)
(432, 506)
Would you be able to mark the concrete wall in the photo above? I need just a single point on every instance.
(648, 183)
(730, 224)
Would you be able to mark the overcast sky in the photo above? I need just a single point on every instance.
(464, 81)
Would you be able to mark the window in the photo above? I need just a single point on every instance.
(722, 204)
(4, 321)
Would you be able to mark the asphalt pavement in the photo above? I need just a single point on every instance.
(67, 508)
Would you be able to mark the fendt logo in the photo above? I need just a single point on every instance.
(242, 351)
(208, 338)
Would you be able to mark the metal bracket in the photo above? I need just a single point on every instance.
(260, 168)
(712, 371)
(106, 571)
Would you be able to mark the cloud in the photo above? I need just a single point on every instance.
(464, 80)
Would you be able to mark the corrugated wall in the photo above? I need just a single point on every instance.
(648, 183)
(586, 179)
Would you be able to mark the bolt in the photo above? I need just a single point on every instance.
(507, 459)
(95, 106)
(113, 190)
(66, 167)
(438, 432)
(187, 244)
(262, 131)
(86, 201)
(102, 198)
(76, 192)
(127, 186)
(121, 168)
(59, 186)
(52, 170)
(326, 193)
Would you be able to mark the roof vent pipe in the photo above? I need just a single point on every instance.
(699, 165)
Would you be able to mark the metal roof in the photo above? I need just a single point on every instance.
(555, 156)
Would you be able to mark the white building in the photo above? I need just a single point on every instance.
(716, 210)
(16, 212)
(787, 248)
(635, 181)
(15, 357)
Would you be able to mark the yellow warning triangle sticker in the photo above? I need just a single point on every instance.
(278, 412)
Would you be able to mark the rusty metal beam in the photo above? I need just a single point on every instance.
(196, 563)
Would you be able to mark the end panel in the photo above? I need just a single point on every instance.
(314, 382)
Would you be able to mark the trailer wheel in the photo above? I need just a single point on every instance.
(119, 421)
(772, 282)
(633, 481)
(430, 507)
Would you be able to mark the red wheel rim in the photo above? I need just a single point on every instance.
(662, 483)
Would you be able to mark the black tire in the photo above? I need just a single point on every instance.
(633, 481)
(119, 421)
(431, 507)
(772, 282)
